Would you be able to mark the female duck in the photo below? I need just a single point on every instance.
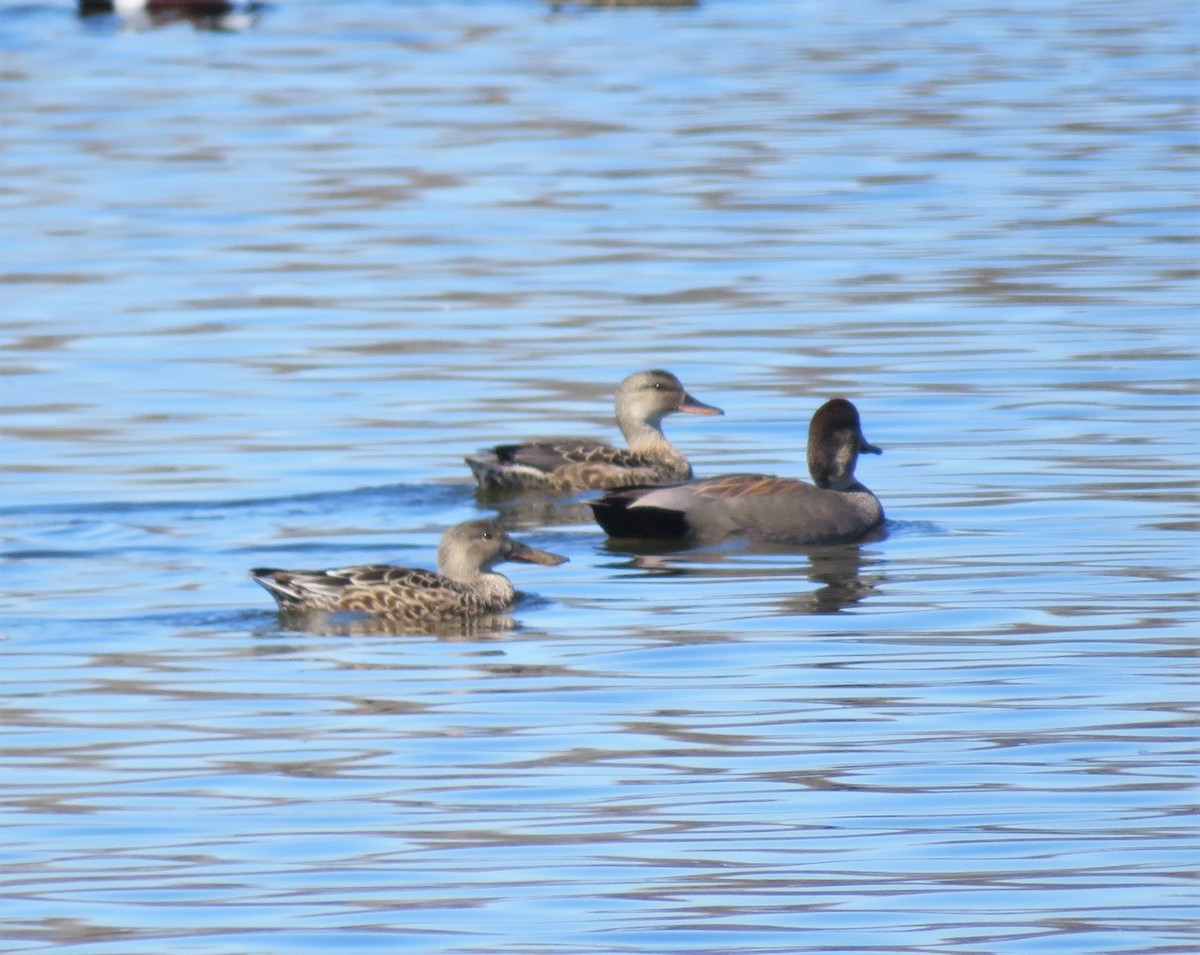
(642, 401)
(838, 509)
(464, 584)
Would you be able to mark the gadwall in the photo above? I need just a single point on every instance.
(464, 584)
(642, 401)
(758, 506)
(206, 14)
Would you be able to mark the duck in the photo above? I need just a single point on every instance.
(574, 464)
(206, 14)
(835, 509)
(464, 585)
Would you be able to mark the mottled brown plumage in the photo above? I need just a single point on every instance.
(642, 401)
(761, 507)
(464, 585)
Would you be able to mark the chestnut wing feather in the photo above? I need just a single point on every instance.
(726, 487)
(730, 486)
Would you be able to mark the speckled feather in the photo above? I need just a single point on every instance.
(578, 465)
(378, 589)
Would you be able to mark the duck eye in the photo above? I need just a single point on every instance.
(486, 535)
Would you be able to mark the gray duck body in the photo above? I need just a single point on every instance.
(836, 508)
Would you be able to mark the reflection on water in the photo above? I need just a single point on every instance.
(523, 511)
(841, 582)
(476, 627)
(616, 4)
(264, 289)
(838, 571)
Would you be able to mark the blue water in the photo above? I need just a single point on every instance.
(264, 288)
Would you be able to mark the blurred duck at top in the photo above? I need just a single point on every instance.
(203, 14)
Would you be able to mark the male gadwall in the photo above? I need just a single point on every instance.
(642, 401)
(205, 14)
(762, 508)
(464, 584)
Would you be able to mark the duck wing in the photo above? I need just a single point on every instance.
(569, 465)
(726, 488)
(346, 588)
(758, 506)
(670, 512)
(549, 456)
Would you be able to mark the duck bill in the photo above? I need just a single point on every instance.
(531, 555)
(690, 405)
(866, 447)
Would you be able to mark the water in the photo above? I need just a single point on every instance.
(263, 289)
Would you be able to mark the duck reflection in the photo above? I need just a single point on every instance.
(556, 5)
(203, 14)
(843, 574)
(476, 627)
(517, 512)
(839, 572)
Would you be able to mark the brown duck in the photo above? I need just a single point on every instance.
(465, 583)
(642, 401)
(836, 508)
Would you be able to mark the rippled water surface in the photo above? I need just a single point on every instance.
(262, 290)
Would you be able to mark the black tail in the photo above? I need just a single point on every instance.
(269, 578)
(614, 513)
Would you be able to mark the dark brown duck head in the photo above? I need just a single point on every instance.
(835, 440)
(473, 547)
(646, 397)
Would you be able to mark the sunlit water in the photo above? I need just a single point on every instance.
(263, 289)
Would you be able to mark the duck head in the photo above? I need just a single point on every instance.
(835, 440)
(469, 548)
(646, 397)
